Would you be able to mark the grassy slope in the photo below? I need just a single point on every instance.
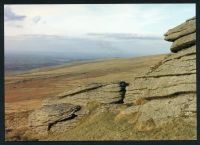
(25, 91)
(104, 126)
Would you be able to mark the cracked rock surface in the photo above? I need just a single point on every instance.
(43, 119)
(64, 111)
(103, 93)
(169, 88)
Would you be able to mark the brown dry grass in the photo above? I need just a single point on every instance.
(25, 91)
(102, 126)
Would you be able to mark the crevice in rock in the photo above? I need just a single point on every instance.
(167, 75)
(153, 89)
(169, 96)
(50, 125)
(191, 83)
(122, 92)
(179, 57)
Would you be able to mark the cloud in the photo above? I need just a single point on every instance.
(15, 25)
(9, 15)
(124, 36)
(36, 19)
(146, 20)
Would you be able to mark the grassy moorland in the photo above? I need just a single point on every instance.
(24, 92)
(29, 88)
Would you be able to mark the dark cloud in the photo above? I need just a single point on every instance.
(36, 19)
(124, 36)
(9, 15)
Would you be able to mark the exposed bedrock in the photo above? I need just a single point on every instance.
(64, 111)
(183, 35)
(103, 93)
(181, 30)
(169, 88)
(176, 74)
(44, 119)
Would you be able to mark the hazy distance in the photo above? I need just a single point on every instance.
(45, 35)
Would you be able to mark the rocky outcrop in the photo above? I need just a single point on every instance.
(103, 93)
(183, 35)
(169, 88)
(166, 91)
(44, 119)
(64, 111)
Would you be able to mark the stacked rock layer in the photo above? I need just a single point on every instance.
(64, 111)
(169, 88)
(103, 93)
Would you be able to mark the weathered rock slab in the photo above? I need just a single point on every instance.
(44, 118)
(184, 29)
(103, 93)
(183, 42)
(156, 112)
(176, 74)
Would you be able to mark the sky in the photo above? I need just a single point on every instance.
(117, 29)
